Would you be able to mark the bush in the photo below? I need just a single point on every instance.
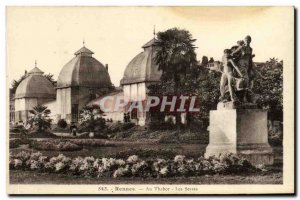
(92, 142)
(55, 145)
(118, 127)
(145, 153)
(162, 125)
(15, 143)
(275, 138)
(133, 166)
(18, 129)
(127, 126)
(62, 123)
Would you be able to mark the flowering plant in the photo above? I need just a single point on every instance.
(132, 167)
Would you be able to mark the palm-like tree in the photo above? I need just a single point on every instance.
(40, 118)
(175, 55)
(175, 52)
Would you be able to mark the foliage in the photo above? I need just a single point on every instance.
(268, 90)
(40, 118)
(204, 61)
(133, 166)
(199, 82)
(50, 78)
(204, 84)
(15, 83)
(275, 138)
(175, 54)
(92, 143)
(55, 145)
(161, 125)
(91, 119)
(165, 153)
(62, 123)
(15, 143)
(19, 129)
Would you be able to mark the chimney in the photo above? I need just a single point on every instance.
(106, 66)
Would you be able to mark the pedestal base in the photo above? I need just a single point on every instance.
(240, 131)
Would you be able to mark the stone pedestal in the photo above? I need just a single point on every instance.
(240, 131)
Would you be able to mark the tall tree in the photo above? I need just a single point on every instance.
(175, 54)
(268, 90)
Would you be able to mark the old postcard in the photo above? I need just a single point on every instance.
(150, 100)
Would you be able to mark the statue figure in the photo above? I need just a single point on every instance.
(227, 76)
(238, 69)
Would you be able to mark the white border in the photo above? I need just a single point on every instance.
(4, 3)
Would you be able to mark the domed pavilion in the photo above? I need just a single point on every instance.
(33, 90)
(139, 74)
(81, 80)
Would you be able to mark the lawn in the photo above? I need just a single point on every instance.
(157, 145)
(99, 148)
(28, 177)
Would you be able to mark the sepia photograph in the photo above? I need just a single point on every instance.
(150, 100)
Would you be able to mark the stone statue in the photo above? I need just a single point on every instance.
(242, 119)
(238, 73)
(226, 83)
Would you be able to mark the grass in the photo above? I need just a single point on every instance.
(124, 149)
(29, 177)
(145, 144)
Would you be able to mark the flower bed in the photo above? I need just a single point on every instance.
(131, 167)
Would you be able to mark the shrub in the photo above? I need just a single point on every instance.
(15, 143)
(91, 120)
(62, 123)
(162, 125)
(275, 137)
(40, 118)
(18, 129)
(118, 127)
(55, 145)
(92, 142)
(127, 126)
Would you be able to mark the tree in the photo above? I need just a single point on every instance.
(175, 54)
(40, 118)
(50, 78)
(204, 61)
(15, 83)
(62, 123)
(91, 118)
(200, 82)
(268, 90)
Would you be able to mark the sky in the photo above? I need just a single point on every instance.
(51, 35)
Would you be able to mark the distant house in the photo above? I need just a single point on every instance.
(215, 65)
